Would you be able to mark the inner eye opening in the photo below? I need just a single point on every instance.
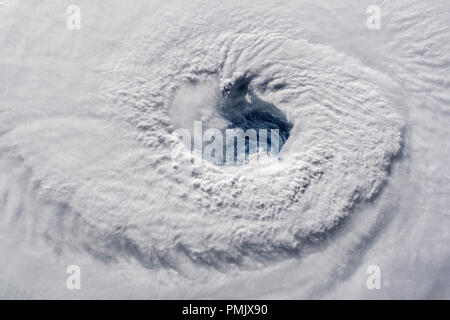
(243, 109)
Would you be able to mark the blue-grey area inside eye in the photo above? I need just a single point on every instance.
(244, 110)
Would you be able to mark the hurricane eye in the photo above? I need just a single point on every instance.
(243, 109)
